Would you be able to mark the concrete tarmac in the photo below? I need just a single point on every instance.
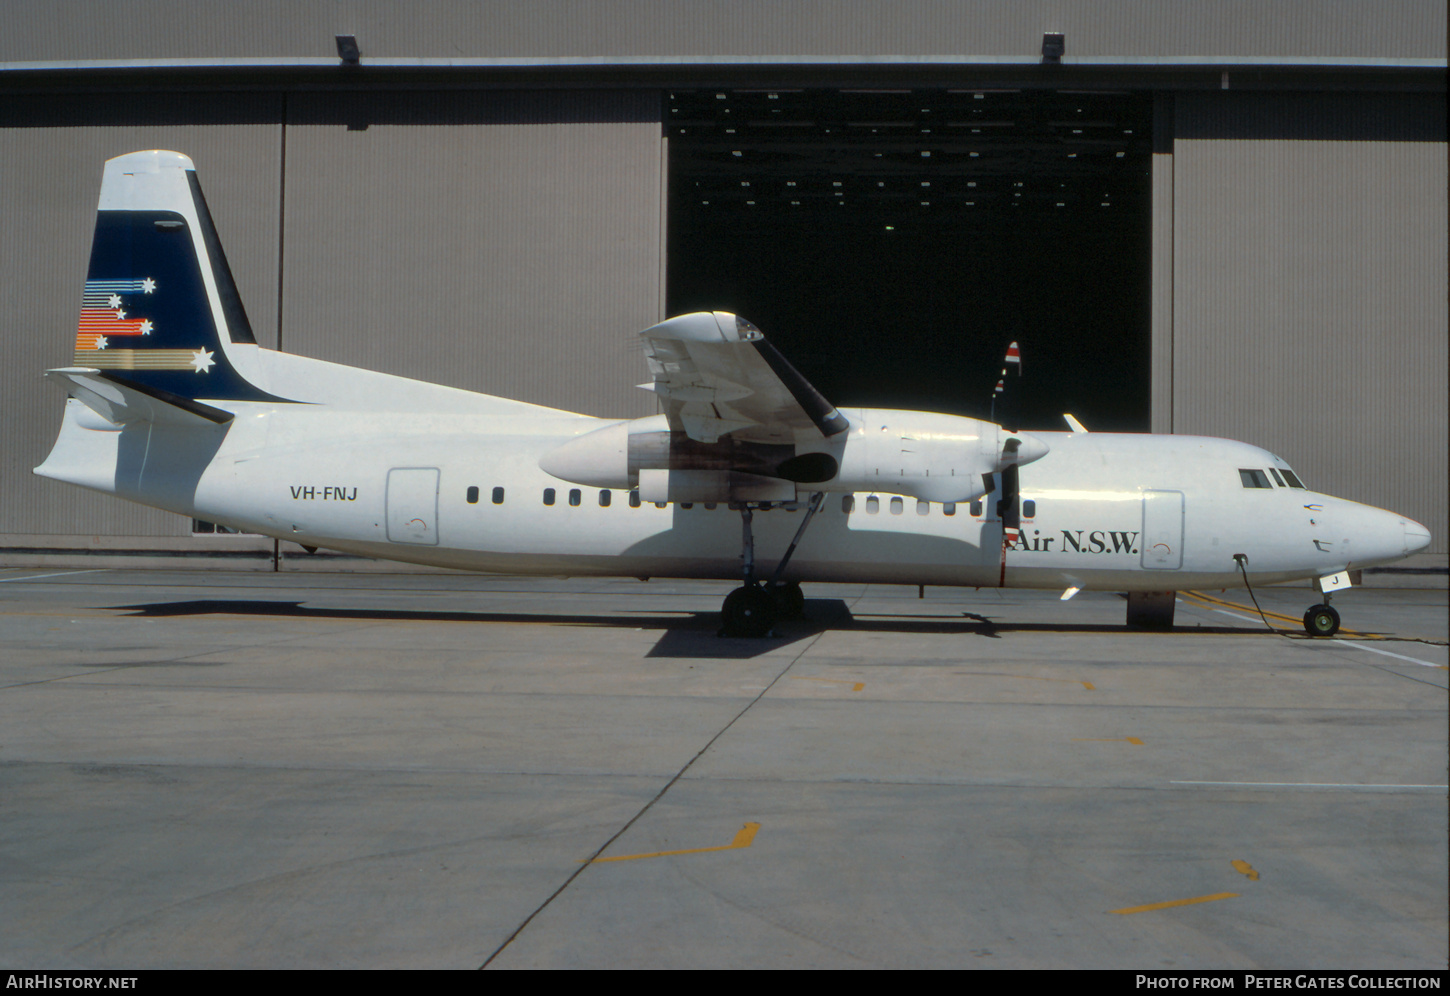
(225, 770)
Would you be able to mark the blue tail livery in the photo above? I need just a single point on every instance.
(160, 312)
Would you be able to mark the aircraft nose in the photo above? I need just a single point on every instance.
(1417, 537)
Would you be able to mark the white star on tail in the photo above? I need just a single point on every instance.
(201, 361)
(115, 301)
(148, 285)
(146, 326)
(100, 342)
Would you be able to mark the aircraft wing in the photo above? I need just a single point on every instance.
(717, 375)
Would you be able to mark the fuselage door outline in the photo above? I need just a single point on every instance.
(1162, 540)
(412, 513)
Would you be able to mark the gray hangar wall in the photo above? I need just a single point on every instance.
(473, 239)
(1301, 290)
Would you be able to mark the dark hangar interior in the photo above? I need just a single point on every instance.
(892, 242)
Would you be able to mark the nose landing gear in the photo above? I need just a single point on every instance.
(752, 609)
(1321, 620)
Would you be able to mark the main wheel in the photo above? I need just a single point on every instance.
(790, 601)
(748, 611)
(1321, 620)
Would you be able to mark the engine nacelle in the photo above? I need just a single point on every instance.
(598, 459)
(670, 466)
(933, 457)
(712, 485)
(927, 455)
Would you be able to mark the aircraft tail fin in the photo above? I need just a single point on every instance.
(160, 312)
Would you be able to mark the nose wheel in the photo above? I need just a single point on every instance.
(1321, 620)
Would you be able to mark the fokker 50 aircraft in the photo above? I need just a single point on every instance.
(748, 474)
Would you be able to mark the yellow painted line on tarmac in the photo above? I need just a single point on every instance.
(1176, 902)
(1244, 868)
(856, 686)
(1107, 740)
(743, 838)
(1211, 601)
(1226, 603)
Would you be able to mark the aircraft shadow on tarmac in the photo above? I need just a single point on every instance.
(685, 634)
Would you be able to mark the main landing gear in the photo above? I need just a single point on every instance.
(753, 608)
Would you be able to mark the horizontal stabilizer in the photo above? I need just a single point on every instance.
(119, 400)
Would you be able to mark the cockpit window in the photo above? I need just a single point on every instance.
(1294, 481)
(1277, 479)
(1254, 479)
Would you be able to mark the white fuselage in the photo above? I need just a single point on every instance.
(1108, 511)
(178, 408)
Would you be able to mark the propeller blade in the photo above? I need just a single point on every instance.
(1014, 358)
(1006, 413)
(1009, 506)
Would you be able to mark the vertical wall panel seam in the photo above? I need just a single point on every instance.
(664, 243)
(1167, 120)
(281, 256)
(664, 217)
(281, 214)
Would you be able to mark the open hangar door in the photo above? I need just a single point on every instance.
(892, 242)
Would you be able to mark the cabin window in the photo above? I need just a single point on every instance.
(473, 495)
(498, 496)
(1294, 481)
(897, 505)
(1029, 508)
(950, 508)
(1277, 479)
(922, 507)
(1254, 479)
(634, 498)
(975, 508)
(687, 504)
(848, 502)
(604, 499)
(575, 496)
(709, 506)
(548, 496)
(873, 505)
(662, 504)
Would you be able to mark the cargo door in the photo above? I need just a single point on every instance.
(413, 505)
(1162, 543)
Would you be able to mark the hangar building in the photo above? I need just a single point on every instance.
(1219, 219)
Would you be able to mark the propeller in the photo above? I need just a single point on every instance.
(1009, 506)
